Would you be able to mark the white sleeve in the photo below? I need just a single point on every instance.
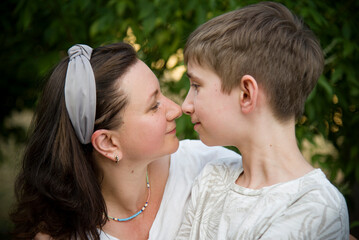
(200, 154)
(184, 232)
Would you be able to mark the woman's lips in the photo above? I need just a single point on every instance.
(172, 132)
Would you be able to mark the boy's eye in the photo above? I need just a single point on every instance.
(155, 107)
(194, 85)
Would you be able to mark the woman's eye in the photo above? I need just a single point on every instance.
(156, 106)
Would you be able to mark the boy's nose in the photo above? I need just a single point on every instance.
(187, 105)
(173, 110)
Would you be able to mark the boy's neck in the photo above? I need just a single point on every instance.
(271, 155)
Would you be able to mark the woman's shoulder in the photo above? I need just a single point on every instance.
(196, 149)
(105, 236)
(192, 156)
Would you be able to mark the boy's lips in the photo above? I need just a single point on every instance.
(196, 125)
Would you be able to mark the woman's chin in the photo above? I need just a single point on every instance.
(175, 145)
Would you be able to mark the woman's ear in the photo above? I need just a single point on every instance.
(249, 93)
(103, 142)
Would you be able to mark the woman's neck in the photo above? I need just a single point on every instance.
(124, 185)
(125, 193)
(124, 190)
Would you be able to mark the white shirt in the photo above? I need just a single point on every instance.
(309, 207)
(186, 163)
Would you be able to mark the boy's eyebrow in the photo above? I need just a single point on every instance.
(192, 77)
(188, 75)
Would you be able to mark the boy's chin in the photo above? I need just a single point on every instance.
(210, 142)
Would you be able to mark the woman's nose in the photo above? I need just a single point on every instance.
(173, 110)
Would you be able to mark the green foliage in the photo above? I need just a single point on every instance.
(36, 34)
(332, 108)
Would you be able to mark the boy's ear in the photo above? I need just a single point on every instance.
(105, 144)
(249, 93)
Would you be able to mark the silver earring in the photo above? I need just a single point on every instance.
(117, 159)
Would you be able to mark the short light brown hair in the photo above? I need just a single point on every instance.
(266, 41)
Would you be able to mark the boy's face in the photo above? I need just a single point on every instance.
(213, 113)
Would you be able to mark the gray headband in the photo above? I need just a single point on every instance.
(80, 92)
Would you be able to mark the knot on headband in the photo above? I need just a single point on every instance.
(80, 50)
(80, 92)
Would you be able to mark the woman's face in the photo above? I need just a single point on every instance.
(148, 129)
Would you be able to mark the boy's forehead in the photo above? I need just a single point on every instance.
(197, 71)
(194, 73)
(193, 63)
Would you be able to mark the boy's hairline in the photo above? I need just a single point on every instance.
(203, 64)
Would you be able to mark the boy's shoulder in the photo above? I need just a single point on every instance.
(316, 188)
(313, 192)
(316, 195)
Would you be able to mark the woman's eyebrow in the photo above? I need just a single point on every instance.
(153, 95)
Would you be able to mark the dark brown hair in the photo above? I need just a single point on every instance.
(58, 188)
(266, 41)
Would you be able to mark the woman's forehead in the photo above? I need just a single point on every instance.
(140, 83)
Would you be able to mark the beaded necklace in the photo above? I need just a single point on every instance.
(139, 212)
